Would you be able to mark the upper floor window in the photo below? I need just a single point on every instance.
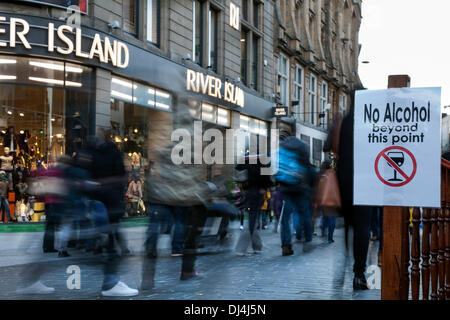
(130, 19)
(197, 29)
(153, 21)
(323, 101)
(255, 62)
(283, 79)
(344, 103)
(244, 55)
(298, 92)
(256, 14)
(312, 97)
(212, 39)
(245, 9)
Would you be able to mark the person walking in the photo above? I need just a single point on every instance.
(357, 217)
(296, 177)
(108, 171)
(255, 187)
(265, 210)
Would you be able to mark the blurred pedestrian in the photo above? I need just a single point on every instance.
(357, 217)
(108, 171)
(265, 210)
(295, 176)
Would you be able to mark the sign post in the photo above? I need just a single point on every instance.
(397, 165)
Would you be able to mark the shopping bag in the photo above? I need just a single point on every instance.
(328, 195)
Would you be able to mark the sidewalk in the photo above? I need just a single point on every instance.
(324, 271)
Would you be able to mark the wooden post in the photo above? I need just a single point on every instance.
(395, 275)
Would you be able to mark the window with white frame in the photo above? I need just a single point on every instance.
(283, 79)
(343, 103)
(312, 97)
(298, 92)
(197, 31)
(153, 23)
(214, 114)
(323, 102)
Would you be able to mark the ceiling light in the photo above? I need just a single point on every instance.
(123, 83)
(53, 119)
(22, 132)
(21, 114)
(6, 77)
(122, 95)
(57, 67)
(8, 61)
(162, 94)
(9, 112)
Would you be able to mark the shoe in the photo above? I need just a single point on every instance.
(330, 240)
(177, 253)
(36, 288)
(241, 227)
(63, 254)
(125, 252)
(120, 290)
(190, 275)
(360, 283)
(287, 251)
(50, 250)
(257, 251)
(241, 254)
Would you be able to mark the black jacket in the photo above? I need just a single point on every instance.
(108, 169)
(345, 161)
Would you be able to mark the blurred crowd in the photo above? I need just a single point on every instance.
(84, 197)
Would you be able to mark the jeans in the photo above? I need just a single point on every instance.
(254, 200)
(300, 209)
(330, 224)
(4, 209)
(159, 216)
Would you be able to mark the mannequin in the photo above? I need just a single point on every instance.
(4, 204)
(7, 165)
(10, 140)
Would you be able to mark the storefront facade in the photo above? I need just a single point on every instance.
(60, 84)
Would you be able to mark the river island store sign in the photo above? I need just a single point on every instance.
(206, 84)
(105, 50)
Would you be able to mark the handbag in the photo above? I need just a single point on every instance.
(328, 194)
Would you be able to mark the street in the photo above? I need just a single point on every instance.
(321, 271)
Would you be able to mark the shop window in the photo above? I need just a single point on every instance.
(140, 94)
(254, 132)
(48, 105)
(130, 9)
(153, 21)
(214, 114)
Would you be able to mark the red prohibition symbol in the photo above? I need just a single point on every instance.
(395, 182)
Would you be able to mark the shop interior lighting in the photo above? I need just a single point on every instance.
(3, 131)
(122, 95)
(126, 139)
(53, 119)
(9, 112)
(55, 81)
(207, 107)
(6, 77)
(57, 67)
(136, 130)
(59, 135)
(163, 94)
(222, 112)
(22, 114)
(22, 132)
(207, 116)
(244, 118)
(123, 83)
(162, 105)
(8, 61)
(151, 91)
(222, 120)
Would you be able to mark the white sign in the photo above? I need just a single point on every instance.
(105, 50)
(397, 150)
(234, 16)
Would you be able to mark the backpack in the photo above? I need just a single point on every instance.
(290, 170)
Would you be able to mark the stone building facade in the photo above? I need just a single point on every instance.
(316, 60)
(230, 42)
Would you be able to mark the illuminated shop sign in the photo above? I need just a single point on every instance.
(212, 86)
(280, 111)
(105, 50)
(82, 4)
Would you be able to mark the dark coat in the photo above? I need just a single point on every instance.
(345, 161)
(302, 150)
(108, 169)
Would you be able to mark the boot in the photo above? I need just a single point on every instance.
(287, 251)
(359, 282)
